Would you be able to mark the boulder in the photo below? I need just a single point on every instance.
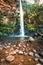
(10, 58)
(31, 39)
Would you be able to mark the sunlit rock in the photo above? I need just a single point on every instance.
(31, 53)
(31, 39)
(37, 55)
(25, 53)
(12, 52)
(10, 58)
(34, 50)
(38, 64)
(20, 52)
(41, 61)
(36, 59)
(2, 60)
(1, 47)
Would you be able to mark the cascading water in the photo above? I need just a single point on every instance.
(21, 20)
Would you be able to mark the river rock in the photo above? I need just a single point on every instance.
(1, 47)
(38, 48)
(20, 52)
(36, 59)
(8, 46)
(25, 53)
(10, 58)
(34, 50)
(31, 39)
(22, 60)
(37, 55)
(2, 60)
(19, 45)
(38, 64)
(41, 61)
(31, 53)
(41, 54)
(12, 52)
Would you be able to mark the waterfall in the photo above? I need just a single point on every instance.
(21, 20)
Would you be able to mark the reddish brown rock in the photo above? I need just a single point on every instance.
(10, 58)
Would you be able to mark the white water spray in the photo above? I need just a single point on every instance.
(21, 20)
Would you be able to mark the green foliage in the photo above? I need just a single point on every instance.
(31, 27)
(1, 16)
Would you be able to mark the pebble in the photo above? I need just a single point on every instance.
(25, 53)
(31, 53)
(14, 46)
(38, 64)
(41, 61)
(9, 44)
(6, 52)
(30, 59)
(37, 55)
(10, 58)
(19, 45)
(2, 60)
(1, 48)
(8, 47)
(34, 50)
(22, 61)
(36, 59)
(12, 52)
(38, 48)
(41, 54)
(20, 52)
(4, 47)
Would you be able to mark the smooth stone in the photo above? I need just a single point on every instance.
(30, 59)
(6, 52)
(14, 46)
(4, 47)
(41, 61)
(37, 55)
(17, 50)
(12, 49)
(31, 53)
(10, 58)
(27, 45)
(20, 52)
(1, 48)
(19, 45)
(23, 49)
(9, 43)
(38, 48)
(38, 64)
(31, 39)
(13, 53)
(24, 46)
(2, 60)
(41, 54)
(36, 59)
(22, 61)
(8, 47)
(25, 53)
(34, 50)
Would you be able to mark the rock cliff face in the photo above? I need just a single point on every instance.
(7, 4)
